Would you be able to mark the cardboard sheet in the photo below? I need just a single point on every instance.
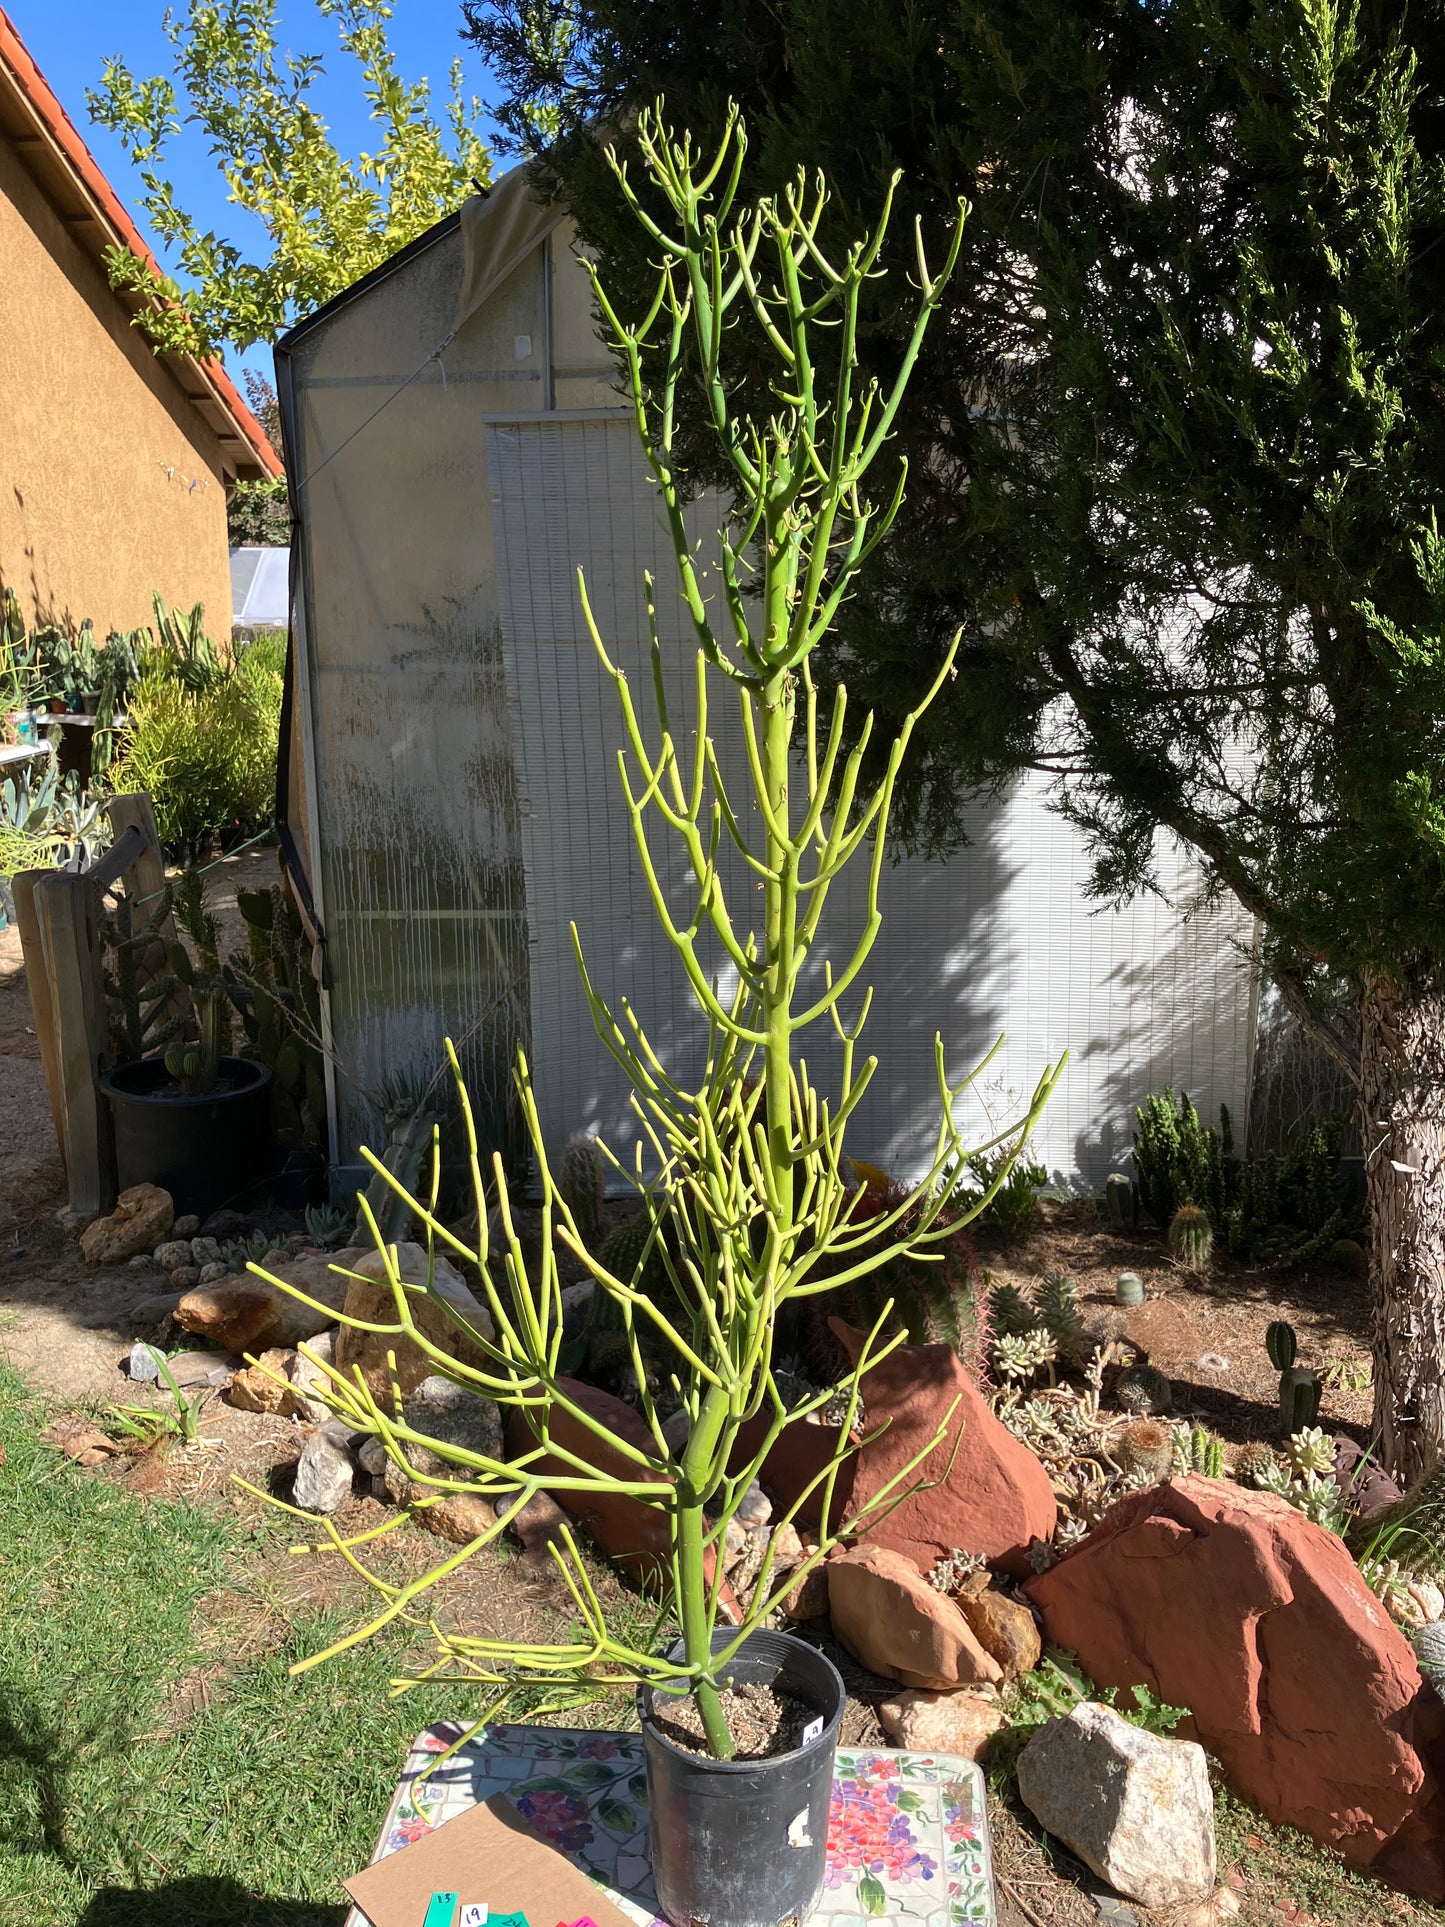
(488, 1854)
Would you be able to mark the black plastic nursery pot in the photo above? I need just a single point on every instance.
(745, 1843)
(206, 1151)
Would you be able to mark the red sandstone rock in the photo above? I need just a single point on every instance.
(994, 1499)
(799, 1454)
(1231, 1603)
(888, 1616)
(630, 1531)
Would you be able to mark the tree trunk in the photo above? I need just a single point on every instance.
(1402, 1136)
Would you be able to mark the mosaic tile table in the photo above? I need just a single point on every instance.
(907, 1837)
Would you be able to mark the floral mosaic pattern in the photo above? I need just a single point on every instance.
(907, 1835)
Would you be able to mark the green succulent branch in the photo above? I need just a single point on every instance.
(751, 1200)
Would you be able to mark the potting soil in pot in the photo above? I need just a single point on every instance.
(761, 1721)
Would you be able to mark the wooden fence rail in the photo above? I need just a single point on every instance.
(59, 917)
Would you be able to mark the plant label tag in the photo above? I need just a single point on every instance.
(474, 1914)
(798, 1835)
(441, 1911)
(812, 1731)
(508, 1920)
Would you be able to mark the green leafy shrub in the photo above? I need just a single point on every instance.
(1016, 1200)
(206, 755)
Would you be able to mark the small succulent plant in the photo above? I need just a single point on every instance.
(954, 1568)
(1191, 1238)
(328, 1227)
(1010, 1313)
(1056, 1302)
(1311, 1450)
(1020, 1357)
(240, 1252)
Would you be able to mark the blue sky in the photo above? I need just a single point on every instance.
(70, 40)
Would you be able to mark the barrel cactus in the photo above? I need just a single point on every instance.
(1191, 1238)
(1254, 1462)
(580, 1178)
(1143, 1389)
(1129, 1289)
(1146, 1449)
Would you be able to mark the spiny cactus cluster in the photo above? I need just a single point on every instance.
(1191, 1240)
(1198, 1450)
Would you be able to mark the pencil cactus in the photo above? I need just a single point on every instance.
(750, 1159)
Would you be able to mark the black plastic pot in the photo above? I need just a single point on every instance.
(745, 1843)
(206, 1151)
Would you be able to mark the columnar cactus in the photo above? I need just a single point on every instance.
(581, 1176)
(1191, 1239)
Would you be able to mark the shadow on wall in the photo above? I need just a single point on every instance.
(1182, 1014)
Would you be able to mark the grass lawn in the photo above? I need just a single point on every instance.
(129, 1793)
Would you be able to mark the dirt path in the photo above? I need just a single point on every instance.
(62, 1325)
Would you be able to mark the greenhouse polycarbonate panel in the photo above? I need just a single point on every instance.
(419, 878)
(997, 942)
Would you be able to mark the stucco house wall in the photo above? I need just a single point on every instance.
(116, 462)
(113, 486)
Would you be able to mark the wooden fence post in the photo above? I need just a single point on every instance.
(65, 909)
(37, 978)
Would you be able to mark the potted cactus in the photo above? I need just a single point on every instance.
(187, 1115)
(753, 1206)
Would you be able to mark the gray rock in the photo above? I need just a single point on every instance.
(144, 1363)
(308, 1377)
(371, 1457)
(323, 1472)
(147, 1313)
(186, 1227)
(192, 1370)
(186, 1277)
(174, 1253)
(447, 1411)
(676, 1429)
(142, 1261)
(380, 1491)
(205, 1251)
(225, 1223)
(212, 1274)
(1133, 1806)
(755, 1508)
